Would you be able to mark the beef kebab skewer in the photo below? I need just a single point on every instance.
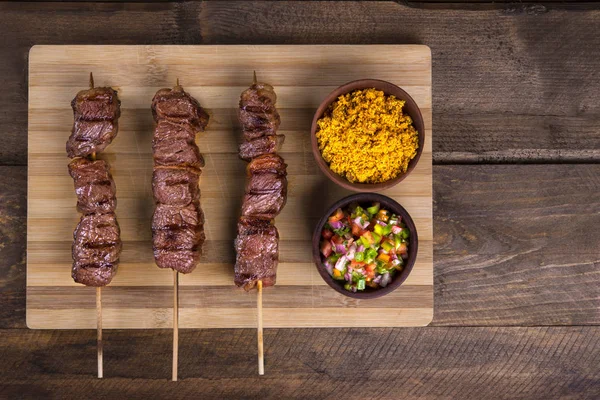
(97, 243)
(178, 220)
(257, 242)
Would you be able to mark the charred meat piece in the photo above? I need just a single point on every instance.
(267, 163)
(167, 130)
(257, 248)
(261, 146)
(95, 113)
(168, 216)
(267, 205)
(175, 186)
(257, 112)
(96, 249)
(175, 105)
(177, 152)
(267, 182)
(183, 261)
(94, 186)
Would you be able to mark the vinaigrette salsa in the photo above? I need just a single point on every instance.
(364, 247)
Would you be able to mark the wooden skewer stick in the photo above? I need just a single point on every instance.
(91, 81)
(99, 330)
(98, 299)
(175, 323)
(259, 308)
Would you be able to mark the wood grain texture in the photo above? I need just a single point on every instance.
(13, 218)
(215, 75)
(429, 363)
(527, 237)
(510, 84)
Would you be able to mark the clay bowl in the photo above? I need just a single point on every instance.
(410, 107)
(366, 199)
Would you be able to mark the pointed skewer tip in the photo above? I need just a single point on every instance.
(254, 81)
(91, 81)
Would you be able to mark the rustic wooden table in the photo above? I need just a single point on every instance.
(516, 100)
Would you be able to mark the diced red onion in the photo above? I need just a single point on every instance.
(341, 263)
(377, 279)
(396, 229)
(347, 276)
(336, 224)
(381, 223)
(350, 269)
(328, 267)
(396, 262)
(357, 221)
(361, 248)
(347, 236)
(385, 279)
(340, 249)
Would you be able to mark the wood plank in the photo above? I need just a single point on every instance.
(52, 217)
(13, 218)
(524, 90)
(428, 363)
(517, 245)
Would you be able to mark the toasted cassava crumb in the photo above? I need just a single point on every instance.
(365, 137)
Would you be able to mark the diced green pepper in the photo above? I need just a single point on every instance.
(376, 237)
(370, 255)
(364, 241)
(405, 233)
(360, 284)
(359, 256)
(387, 230)
(374, 209)
(387, 245)
(378, 229)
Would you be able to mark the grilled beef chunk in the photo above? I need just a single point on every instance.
(183, 261)
(94, 186)
(267, 205)
(96, 249)
(258, 147)
(168, 216)
(95, 113)
(267, 163)
(257, 248)
(167, 130)
(257, 112)
(175, 105)
(178, 221)
(177, 152)
(175, 186)
(267, 182)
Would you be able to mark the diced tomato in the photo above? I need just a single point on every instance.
(356, 230)
(337, 216)
(326, 248)
(327, 234)
(372, 284)
(402, 249)
(369, 237)
(337, 239)
(370, 267)
(356, 264)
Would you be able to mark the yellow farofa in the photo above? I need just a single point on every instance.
(365, 137)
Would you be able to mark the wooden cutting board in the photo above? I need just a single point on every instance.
(140, 296)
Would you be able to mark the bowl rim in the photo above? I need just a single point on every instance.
(396, 208)
(389, 89)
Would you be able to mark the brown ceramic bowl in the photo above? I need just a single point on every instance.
(410, 107)
(363, 199)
